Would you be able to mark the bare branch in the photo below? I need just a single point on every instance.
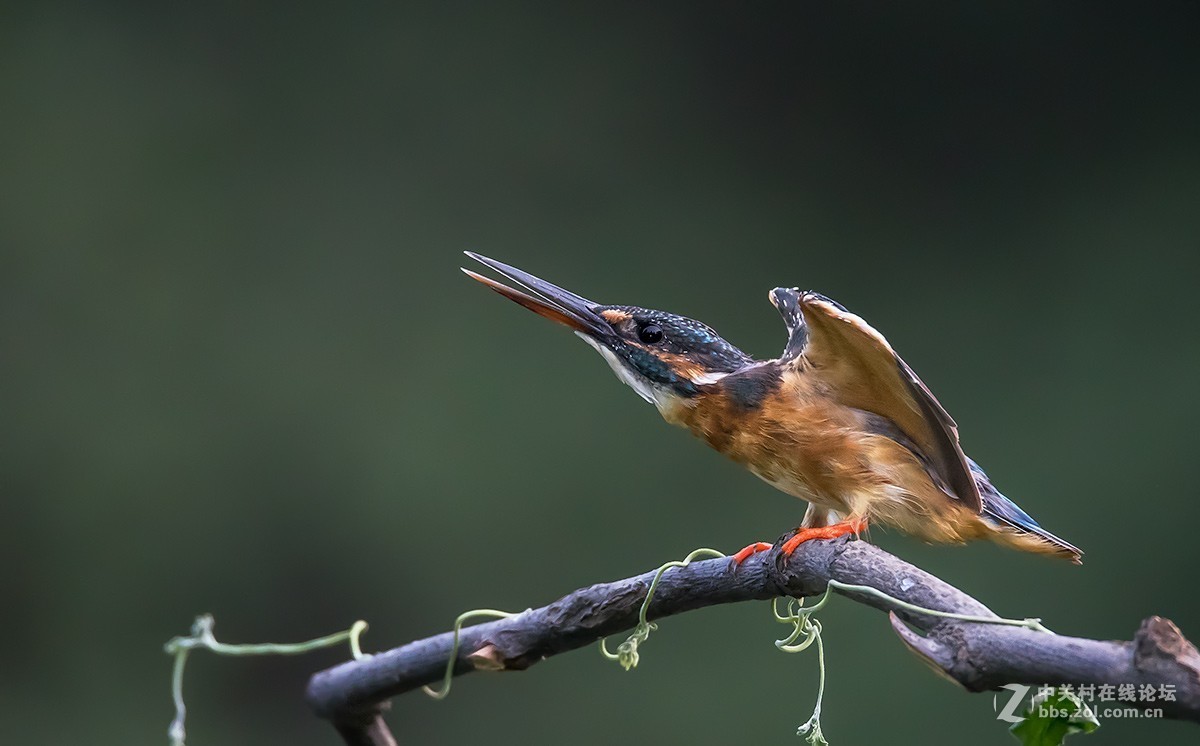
(372, 731)
(977, 656)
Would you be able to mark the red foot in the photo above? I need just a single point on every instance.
(744, 554)
(853, 526)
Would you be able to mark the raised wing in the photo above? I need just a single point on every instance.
(862, 371)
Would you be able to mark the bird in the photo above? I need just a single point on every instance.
(838, 419)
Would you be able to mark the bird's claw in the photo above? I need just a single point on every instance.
(853, 526)
(748, 551)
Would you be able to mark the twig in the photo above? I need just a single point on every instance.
(977, 656)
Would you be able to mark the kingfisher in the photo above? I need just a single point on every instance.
(838, 419)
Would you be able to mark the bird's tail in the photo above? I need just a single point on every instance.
(1014, 527)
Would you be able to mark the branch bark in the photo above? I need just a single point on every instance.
(978, 657)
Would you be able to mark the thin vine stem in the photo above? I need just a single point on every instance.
(444, 690)
(627, 652)
(1033, 623)
(202, 638)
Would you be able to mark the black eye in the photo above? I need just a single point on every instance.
(650, 334)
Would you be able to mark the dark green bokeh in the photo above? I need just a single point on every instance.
(242, 373)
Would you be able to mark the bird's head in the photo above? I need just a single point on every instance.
(665, 357)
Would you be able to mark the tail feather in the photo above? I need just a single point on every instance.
(1014, 526)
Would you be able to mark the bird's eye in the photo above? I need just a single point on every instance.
(651, 334)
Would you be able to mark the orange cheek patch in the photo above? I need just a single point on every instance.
(679, 364)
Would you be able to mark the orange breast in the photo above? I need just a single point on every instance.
(805, 444)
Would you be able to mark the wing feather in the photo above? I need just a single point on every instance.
(861, 370)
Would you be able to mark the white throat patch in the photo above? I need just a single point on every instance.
(656, 395)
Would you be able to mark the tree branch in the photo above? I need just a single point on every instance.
(979, 657)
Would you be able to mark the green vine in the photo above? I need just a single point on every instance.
(1033, 623)
(202, 638)
(458, 623)
(627, 652)
(804, 625)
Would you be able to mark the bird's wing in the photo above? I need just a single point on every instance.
(862, 371)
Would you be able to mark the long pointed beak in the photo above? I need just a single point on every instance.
(547, 299)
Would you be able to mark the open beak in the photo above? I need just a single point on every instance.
(544, 298)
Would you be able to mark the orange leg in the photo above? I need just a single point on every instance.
(853, 526)
(744, 554)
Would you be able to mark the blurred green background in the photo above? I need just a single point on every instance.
(242, 373)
